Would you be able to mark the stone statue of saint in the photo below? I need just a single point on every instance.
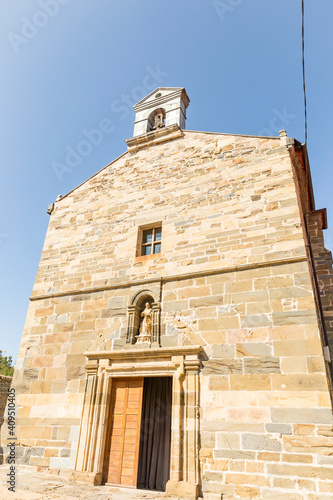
(159, 121)
(146, 326)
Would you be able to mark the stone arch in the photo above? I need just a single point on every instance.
(143, 295)
(156, 119)
(135, 308)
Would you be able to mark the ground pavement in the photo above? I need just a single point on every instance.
(31, 485)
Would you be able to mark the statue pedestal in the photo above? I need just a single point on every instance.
(140, 339)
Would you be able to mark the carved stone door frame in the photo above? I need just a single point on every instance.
(183, 364)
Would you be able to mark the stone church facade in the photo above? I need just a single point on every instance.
(217, 238)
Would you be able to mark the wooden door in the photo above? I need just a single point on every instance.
(122, 453)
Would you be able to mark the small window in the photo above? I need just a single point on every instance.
(151, 241)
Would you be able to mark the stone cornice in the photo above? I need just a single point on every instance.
(130, 354)
(154, 137)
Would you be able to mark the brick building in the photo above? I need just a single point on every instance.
(179, 326)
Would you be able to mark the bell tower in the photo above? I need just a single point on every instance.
(163, 107)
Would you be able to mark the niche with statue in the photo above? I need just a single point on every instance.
(144, 319)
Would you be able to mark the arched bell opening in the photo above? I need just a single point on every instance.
(156, 119)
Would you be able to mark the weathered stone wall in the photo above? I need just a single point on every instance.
(5, 383)
(324, 272)
(223, 200)
(233, 277)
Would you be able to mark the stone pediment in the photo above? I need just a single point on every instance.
(161, 95)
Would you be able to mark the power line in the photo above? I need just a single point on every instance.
(303, 65)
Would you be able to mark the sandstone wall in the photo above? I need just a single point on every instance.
(232, 277)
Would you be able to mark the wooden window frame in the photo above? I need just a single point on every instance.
(141, 245)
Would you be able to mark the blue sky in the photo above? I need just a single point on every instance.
(69, 65)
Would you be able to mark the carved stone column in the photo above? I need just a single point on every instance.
(82, 457)
(156, 307)
(131, 329)
(184, 467)
(192, 394)
(89, 462)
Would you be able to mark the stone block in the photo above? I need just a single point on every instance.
(228, 441)
(219, 383)
(206, 301)
(40, 387)
(30, 374)
(304, 471)
(55, 373)
(316, 364)
(212, 476)
(270, 494)
(177, 305)
(219, 464)
(235, 454)
(296, 458)
(65, 453)
(306, 347)
(75, 372)
(42, 361)
(75, 360)
(255, 467)
(232, 426)
(282, 482)
(279, 428)
(302, 415)
(248, 479)
(253, 349)
(116, 303)
(39, 461)
(208, 439)
(61, 463)
(293, 364)
(324, 460)
(219, 367)
(205, 312)
(229, 322)
(294, 318)
(206, 453)
(256, 321)
(303, 444)
(299, 382)
(51, 452)
(214, 337)
(191, 292)
(326, 487)
(269, 457)
(243, 491)
(250, 382)
(224, 351)
(169, 340)
(260, 442)
(262, 365)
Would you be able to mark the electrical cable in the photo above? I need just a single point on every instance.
(303, 66)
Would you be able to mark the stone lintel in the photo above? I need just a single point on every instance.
(154, 137)
(124, 355)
